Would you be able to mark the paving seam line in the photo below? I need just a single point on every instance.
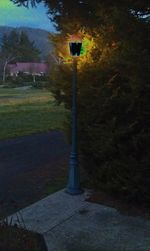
(68, 218)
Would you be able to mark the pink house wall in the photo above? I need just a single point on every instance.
(28, 68)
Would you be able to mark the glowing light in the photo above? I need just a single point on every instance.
(85, 46)
(75, 38)
(62, 49)
(86, 42)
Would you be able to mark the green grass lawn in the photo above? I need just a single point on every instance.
(26, 112)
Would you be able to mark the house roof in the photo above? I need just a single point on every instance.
(28, 67)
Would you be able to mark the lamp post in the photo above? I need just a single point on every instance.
(73, 186)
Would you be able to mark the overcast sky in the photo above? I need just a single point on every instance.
(11, 15)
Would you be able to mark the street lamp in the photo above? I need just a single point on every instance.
(73, 186)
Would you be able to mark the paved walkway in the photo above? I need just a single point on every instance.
(70, 223)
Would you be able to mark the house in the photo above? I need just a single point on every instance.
(37, 69)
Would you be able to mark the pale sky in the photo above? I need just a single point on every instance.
(11, 15)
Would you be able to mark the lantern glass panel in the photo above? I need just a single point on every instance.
(75, 48)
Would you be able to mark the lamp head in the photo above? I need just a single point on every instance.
(75, 45)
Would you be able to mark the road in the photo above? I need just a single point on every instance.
(28, 165)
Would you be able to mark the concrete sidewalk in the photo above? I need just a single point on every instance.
(70, 223)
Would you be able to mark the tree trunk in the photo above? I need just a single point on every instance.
(4, 71)
(33, 78)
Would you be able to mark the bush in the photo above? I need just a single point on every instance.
(27, 79)
(113, 135)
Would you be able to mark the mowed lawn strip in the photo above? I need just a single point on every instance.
(26, 112)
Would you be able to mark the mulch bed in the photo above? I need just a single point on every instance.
(121, 204)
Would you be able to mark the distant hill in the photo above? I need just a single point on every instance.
(39, 36)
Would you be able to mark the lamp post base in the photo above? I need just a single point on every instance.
(73, 185)
(73, 191)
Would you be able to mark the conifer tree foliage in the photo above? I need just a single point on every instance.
(27, 49)
(17, 46)
(113, 91)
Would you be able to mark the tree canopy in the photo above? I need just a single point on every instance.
(78, 9)
(18, 47)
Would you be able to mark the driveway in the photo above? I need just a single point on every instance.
(28, 165)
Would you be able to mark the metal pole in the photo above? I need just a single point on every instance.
(73, 186)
